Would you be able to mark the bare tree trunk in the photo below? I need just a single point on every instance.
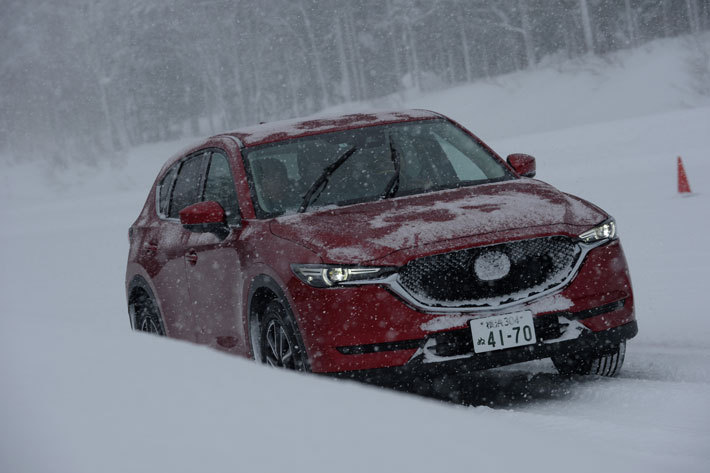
(218, 94)
(666, 23)
(345, 85)
(485, 60)
(464, 44)
(356, 55)
(693, 16)
(392, 38)
(450, 66)
(244, 111)
(293, 93)
(629, 20)
(526, 31)
(315, 55)
(416, 72)
(114, 144)
(586, 26)
(98, 66)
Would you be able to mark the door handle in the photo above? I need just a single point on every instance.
(191, 257)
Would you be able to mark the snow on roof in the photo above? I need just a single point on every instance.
(285, 129)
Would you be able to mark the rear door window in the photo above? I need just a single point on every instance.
(187, 190)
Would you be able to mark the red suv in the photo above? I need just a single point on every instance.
(376, 241)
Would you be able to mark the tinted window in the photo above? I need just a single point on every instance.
(166, 185)
(187, 186)
(220, 187)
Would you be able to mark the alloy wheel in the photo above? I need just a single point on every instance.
(279, 349)
(148, 324)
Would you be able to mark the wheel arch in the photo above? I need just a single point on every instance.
(263, 290)
(138, 288)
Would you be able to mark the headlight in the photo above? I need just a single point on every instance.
(326, 275)
(605, 231)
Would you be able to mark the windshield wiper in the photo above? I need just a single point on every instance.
(393, 184)
(323, 178)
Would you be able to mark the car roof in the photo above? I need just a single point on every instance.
(295, 128)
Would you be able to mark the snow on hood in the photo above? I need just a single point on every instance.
(488, 213)
(285, 129)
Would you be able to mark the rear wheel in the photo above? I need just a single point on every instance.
(607, 364)
(279, 343)
(145, 315)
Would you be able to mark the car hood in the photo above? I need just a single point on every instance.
(438, 221)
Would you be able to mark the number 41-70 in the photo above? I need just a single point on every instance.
(526, 334)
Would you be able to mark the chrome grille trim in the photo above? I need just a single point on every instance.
(392, 283)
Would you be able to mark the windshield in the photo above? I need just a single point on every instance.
(419, 156)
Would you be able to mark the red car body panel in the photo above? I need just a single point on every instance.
(376, 229)
(339, 318)
(202, 284)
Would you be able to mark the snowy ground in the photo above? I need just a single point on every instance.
(80, 393)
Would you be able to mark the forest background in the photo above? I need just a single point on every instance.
(83, 80)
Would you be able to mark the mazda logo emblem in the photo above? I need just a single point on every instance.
(491, 266)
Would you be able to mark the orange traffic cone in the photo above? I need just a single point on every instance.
(683, 186)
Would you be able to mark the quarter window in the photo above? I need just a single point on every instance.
(166, 185)
(187, 186)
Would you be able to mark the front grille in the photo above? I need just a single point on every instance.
(535, 266)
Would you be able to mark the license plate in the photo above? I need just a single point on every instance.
(499, 332)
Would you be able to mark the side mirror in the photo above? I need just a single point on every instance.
(523, 164)
(205, 217)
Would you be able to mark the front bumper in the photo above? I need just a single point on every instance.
(368, 327)
(592, 342)
(599, 343)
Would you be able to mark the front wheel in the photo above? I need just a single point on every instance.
(608, 364)
(278, 341)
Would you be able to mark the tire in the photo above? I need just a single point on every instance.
(145, 314)
(279, 341)
(608, 364)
